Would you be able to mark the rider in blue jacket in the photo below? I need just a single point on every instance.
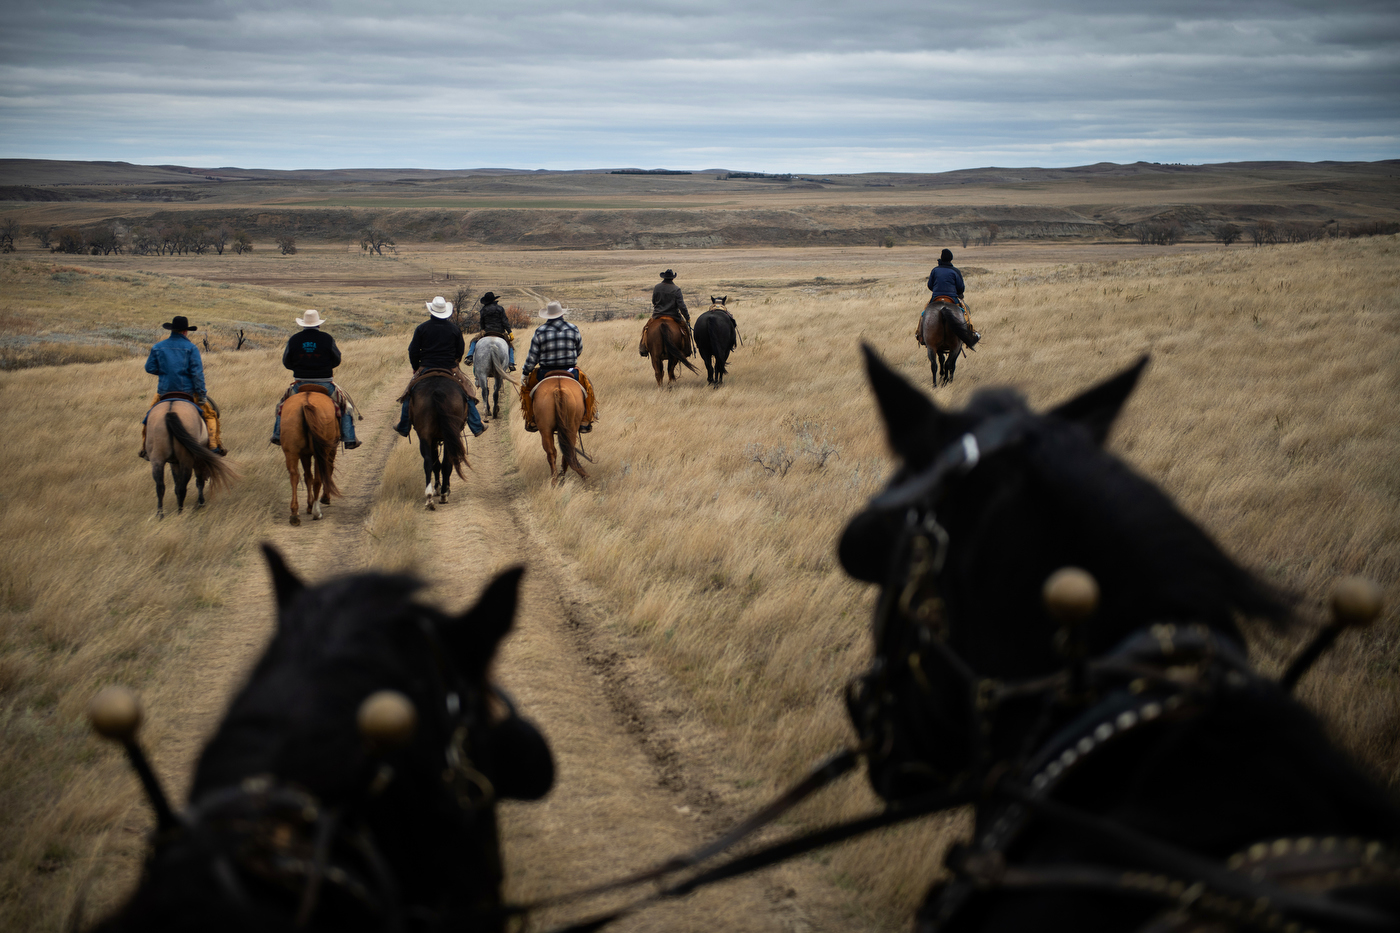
(945, 281)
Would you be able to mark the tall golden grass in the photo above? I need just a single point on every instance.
(710, 518)
(1267, 413)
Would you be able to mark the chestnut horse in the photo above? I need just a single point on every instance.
(664, 339)
(310, 433)
(439, 410)
(176, 434)
(945, 334)
(558, 406)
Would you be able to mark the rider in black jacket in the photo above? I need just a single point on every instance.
(312, 356)
(493, 321)
(438, 344)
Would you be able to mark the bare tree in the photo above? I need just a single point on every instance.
(989, 234)
(69, 240)
(964, 235)
(1264, 232)
(218, 238)
(199, 240)
(1227, 233)
(242, 243)
(287, 244)
(373, 240)
(44, 235)
(9, 230)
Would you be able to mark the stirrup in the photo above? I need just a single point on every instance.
(585, 428)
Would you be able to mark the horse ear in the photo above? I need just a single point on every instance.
(914, 423)
(284, 583)
(476, 633)
(1097, 408)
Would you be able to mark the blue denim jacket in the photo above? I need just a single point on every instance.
(176, 361)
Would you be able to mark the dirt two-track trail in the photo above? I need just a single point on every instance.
(638, 777)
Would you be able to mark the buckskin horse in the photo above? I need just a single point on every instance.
(945, 333)
(352, 785)
(715, 334)
(664, 340)
(439, 412)
(558, 409)
(310, 434)
(176, 434)
(1128, 768)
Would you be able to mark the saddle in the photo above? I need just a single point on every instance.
(496, 333)
(312, 387)
(456, 375)
(177, 396)
(339, 397)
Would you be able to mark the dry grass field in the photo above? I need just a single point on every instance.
(710, 518)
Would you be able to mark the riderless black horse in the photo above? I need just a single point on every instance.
(715, 336)
(300, 820)
(1130, 770)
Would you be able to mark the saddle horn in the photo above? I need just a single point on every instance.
(1356, 603)
(115, 713)
(1071, 597)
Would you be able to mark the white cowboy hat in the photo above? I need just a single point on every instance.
(439, 307)
(553, 310)
(312, 319)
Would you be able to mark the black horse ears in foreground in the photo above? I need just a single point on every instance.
(473, 635)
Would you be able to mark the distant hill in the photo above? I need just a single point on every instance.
(624, 208)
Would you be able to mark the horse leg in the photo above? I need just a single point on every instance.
(950, 365)
(313, 484)
(428, 451)
(294, 471)
(325, 486)
(181, 475)
(199, 490)
(444, 477)
(671, 369)
(656, 364)
(158, 473)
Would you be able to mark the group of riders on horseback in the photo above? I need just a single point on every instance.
(438, 347)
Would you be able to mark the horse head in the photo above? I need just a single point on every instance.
(302, 808)
(988, 503)
(719, 302)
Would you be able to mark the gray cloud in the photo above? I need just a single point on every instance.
(810, 86)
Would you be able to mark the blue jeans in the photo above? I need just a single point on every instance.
(473, 419)
(472, 349)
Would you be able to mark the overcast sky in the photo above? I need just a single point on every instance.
(764, 85)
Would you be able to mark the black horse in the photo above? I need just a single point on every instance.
(715, 335)
(1132, 769)
(438, 407)
(295, 823)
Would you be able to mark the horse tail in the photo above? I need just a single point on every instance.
(954, 323)
(207, 464)
(320, 450)
(449, 427)
(673, 350)
(566, 432)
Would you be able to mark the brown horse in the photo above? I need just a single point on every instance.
(945, 334)
(664, 338)
(558, 407)
(310, 433)
(439, 412)
(176, 434)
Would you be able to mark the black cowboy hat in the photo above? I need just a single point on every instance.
(490, 298)
(668, 274)
(179, 322)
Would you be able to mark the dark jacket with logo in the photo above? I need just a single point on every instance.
(494, 320)
(437, 344)
(946, 280)
(311, 354)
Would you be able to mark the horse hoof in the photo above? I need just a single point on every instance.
(431, 507)
(295, 520)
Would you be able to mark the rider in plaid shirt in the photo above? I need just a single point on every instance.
(555, 346)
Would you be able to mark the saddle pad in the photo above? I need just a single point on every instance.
(312, 387)
(177, 396)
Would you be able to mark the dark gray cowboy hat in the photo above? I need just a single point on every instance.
(179, 322)
(668, 274)
(490, 298)
(947, 254)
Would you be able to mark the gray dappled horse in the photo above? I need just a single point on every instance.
(492, 356)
